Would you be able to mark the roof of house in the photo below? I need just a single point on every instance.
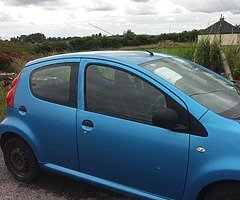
(221, 26)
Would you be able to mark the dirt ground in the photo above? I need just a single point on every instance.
(50, 187)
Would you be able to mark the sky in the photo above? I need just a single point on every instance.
(62, 18)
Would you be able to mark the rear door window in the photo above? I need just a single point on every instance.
(56, 83)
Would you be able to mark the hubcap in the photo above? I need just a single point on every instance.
(19, 162)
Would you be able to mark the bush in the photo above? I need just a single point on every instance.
(7, 54)
(17, 64)
(5, 61)
(13, 56)
(233, 57)
(2, 102)
(206, 54)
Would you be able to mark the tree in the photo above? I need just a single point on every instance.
(34, 37)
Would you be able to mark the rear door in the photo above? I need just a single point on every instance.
(116, 139)
(46, 102)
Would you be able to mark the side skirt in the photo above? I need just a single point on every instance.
(99, 182)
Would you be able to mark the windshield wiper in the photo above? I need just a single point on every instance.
(205, 92)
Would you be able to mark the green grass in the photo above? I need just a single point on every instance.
(2, 102)
(181, 51)
(233, 57)
(171, 48)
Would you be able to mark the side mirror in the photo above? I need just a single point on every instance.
(165, 118)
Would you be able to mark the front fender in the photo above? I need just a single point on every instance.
(221, 159)
(225, 169)
(22, 130)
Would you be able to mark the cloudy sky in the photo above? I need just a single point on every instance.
(78, 17)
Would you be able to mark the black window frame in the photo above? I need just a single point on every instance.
(73, 86)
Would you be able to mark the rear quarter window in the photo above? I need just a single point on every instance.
(55, 83)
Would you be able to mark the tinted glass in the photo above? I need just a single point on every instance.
(55, 83)
(118, 93)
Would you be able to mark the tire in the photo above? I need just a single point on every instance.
(227, 191)
(20, 160)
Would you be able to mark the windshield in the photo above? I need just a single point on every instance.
(213, 92)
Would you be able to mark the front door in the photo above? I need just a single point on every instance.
(116, 139)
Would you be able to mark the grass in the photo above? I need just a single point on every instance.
(2, 102)
(233, 57)
(176, 51)
(171, 48)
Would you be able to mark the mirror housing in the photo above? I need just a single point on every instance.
(165, 118)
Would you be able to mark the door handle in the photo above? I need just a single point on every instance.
(87, 123)
(87, 126)
(22, 110)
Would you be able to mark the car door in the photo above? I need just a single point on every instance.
(116, 139)
(44, 102)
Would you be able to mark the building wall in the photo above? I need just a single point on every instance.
(226, 39)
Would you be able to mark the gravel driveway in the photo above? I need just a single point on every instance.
(50, 187)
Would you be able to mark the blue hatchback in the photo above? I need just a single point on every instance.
(150, 125)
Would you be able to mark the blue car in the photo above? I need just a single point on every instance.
(149, 125)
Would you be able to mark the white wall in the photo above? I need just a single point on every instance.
(226, 39)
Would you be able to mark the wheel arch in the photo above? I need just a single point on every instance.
(212, 175)
(24, 137)
(6, 136)
(216, 184)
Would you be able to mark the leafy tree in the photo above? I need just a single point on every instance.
(34, 37)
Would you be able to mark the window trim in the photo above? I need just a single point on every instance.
(73, 93)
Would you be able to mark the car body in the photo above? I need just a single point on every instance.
(150, 125)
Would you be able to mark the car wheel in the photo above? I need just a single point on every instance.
(20, 160)
(228, 191)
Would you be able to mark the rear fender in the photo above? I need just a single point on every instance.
(23, 131)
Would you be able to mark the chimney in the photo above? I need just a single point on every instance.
(222, 17)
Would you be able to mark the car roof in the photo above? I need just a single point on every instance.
(135, 57)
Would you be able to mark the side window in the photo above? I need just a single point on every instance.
(107, 72)
(125, 96)
(56, 83)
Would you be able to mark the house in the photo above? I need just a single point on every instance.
(222, 32)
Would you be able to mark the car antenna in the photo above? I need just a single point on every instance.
(101, 29)
(151, 53)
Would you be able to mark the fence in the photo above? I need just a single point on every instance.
(6, 78)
